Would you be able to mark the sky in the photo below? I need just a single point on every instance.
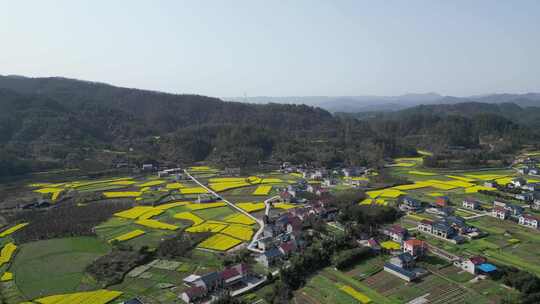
(279, 48)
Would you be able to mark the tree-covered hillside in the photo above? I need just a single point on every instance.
(58, 122)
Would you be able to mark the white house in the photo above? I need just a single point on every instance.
(519, 182)
(528, 221)
(499, 212)
(471, 203)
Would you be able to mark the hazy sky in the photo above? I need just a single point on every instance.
(279, 48)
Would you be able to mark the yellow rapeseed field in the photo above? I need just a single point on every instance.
(485, 177)
(478, 188)
(284, 206)
(7, 253)
(390, 245)
(151, 183)
(128, 236)
(422, 173)
(208, 226)
(54, 192)
(12, 229)
(7, 276)
(362, 298)
(175, 186)
(251, 206)
(219, 242)
(121, 194)
(134, 212)
(240, 232)
(193, 190)
(101, 296)
(171, 205)
(190, 217)
(402, 165)
(205, 205)
(271, 181)
(156, 224)
(151, 213)
(391, 193)
(200, 169)
(461, 178)
(218, 187)
(227, 180)
(262, 190)
(123, 183)
(239, 218)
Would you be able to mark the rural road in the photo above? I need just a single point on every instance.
(252, 244)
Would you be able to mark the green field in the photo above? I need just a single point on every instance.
(55, 266)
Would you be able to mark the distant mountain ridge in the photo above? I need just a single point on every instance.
(353, 104)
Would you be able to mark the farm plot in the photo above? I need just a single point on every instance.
(238, 231)
(49, 257)
(251, 206)
(262, 190)
(92, 297)
(13, 229)
(129, 235)
(220, 242)
(239, 218)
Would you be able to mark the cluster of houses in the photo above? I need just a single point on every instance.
(449, 228)
(506, 211)
(475, 265)
(175, 172)
(215, 283)
(530, 192)
(281, 236)
(403, 263)
(352, 176)
(530, 169)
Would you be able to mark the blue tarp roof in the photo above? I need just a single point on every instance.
(487, 267)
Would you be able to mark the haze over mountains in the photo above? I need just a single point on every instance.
(369, 103)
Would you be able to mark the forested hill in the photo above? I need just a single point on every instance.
(58, 123)
(512, 111)
(165, 112)
(526, 116)
(63, 122)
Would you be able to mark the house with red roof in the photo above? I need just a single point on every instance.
(234, 274)
(471, 264)
(529, 220)
(425, 226)
(193, 294)
(442, 201)
(287, 248)
(396, 233)
(414, 247)
(500, 212)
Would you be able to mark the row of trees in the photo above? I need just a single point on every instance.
(527, 283)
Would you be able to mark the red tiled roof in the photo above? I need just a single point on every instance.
(415, 243)
(499, 209)
(195, 291)
(476, 260)
(287, 247)
(373, 242)
(426, 222)
(530, 217)
(229, 273)
(397, 229)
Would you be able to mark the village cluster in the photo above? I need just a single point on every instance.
(270, 216)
